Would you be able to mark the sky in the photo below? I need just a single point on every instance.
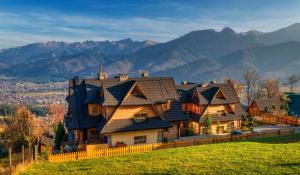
(28, 21)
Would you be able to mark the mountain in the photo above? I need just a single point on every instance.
(197, 56)
(290, 33)
(188, 48)
(63, 67)
(40, 51)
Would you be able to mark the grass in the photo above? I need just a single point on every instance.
(276, 155)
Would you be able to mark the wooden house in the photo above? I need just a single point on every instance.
(217, 101)
(264, 106)
(123, 111)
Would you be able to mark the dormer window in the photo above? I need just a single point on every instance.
(166, 106)
(140, 117)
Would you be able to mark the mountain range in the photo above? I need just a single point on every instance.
(201, 55)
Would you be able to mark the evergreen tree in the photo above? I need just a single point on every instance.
(59, 135)
(207, 126)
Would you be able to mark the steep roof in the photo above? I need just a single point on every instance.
(206, 94)
(124, 125)
(262, 104)
(113, 92)
(156, 89)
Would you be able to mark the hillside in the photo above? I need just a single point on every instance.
(277, 155)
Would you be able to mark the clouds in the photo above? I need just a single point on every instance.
(161, 22)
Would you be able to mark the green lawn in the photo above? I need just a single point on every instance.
(277, 155)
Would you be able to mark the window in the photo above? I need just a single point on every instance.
(94, 109)
(221, 112)
(135, 92)
(140, 117)
(140, 140)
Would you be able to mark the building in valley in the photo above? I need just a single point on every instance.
(123, 110)
(217, 101)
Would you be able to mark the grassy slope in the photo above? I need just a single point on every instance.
(277, 155)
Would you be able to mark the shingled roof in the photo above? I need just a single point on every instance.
(207, 93)
(124, 125)
(268, 103)
(112, 92)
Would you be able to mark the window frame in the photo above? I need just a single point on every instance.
(140, 139)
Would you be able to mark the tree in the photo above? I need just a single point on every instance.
(59, 135)
(272, 88)
(55, 116)
(291, 81)
(248, 122)
(284, 103)
(207, 125)
(22, 129)
(251, 78)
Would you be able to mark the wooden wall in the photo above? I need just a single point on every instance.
(129, 111)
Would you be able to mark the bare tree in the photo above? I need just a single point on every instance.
(260, 93)
(291, 81)
(271, 87)
(251, 78)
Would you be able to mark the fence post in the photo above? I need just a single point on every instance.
(23, 154)
(9, 154)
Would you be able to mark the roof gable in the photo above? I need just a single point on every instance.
(135, 96)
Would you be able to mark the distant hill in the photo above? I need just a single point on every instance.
(197, 56)
(40, 51)
(279, 61)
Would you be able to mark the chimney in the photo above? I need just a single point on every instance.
(203, 84)
(184, 82)
(123, 77)
(213, 82)
(145, 74)
(102, 75)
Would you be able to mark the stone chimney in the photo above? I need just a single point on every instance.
(145, 74)
(102, 75)
(123, 77)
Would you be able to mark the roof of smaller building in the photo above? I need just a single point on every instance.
(124, 125)
(270, 104)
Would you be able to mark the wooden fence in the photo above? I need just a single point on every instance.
(109, 152)
(278, 119)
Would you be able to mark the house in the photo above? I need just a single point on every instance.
(262, 106)
(217, 101)
(123, 110)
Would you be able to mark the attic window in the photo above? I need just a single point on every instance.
(135, 92)
(140, 117)
(220, 96)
